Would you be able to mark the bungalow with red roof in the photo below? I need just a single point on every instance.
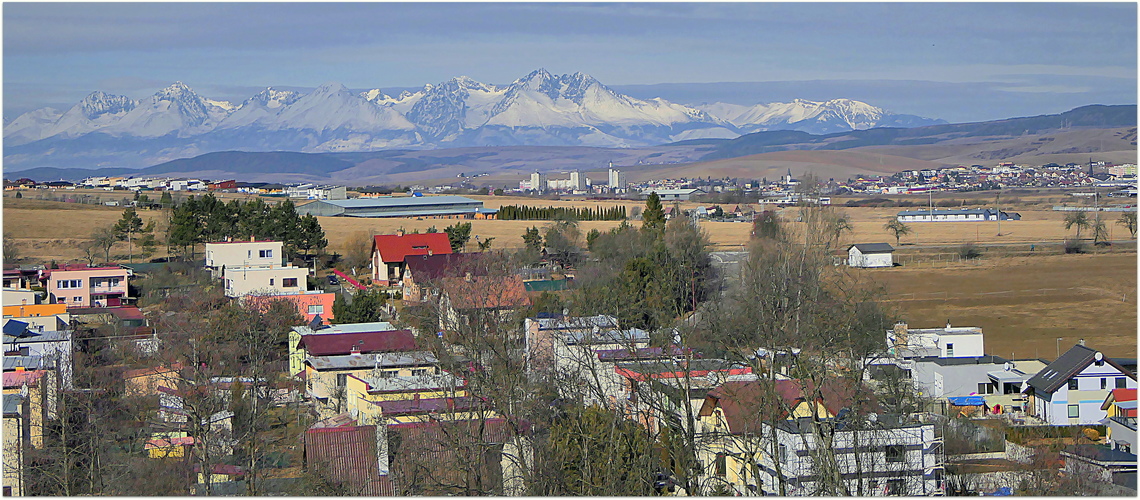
(389, 252)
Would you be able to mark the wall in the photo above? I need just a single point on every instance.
(265, 281)
(237, 254)
(86, 290)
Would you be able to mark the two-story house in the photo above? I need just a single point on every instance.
(272, 280)
(227, 254)
(389, 252)
(1071, 389)
(87, 286)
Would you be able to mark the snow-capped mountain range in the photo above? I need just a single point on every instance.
(539, 109)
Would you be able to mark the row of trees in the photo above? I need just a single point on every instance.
(208, 219)
(523, 212)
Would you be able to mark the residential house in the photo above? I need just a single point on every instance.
(229, 254)
(40, 316)
(367, 396)
(20, 297)
(389, 252)
(1072, 389)
(53, 345)
(349, 456)
(273, 280)
(761, 441)
(870, 255)
(297, 353)
(904, 342)
(87, 286)
(478, 456)
(327, 377)
(1120, 408)
(480, 299)
(423, 272)
(16, 439)
(37, 389)
(1104, 465)
(310, 304)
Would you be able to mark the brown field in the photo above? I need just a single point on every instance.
(1024, 303)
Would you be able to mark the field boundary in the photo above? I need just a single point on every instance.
(1030, 292)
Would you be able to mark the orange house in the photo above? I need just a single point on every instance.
(309, 304)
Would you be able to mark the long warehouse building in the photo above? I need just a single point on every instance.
(450, 207)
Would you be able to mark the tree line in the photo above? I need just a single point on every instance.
(208, 219)
(524, 212)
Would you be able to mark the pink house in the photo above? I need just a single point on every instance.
(87, 286)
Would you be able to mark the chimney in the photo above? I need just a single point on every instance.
(1081, 342)
(400, 232)
(251, 240)
(947, 324)
(900, 334)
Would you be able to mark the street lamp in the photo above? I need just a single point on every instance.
(1059, 339)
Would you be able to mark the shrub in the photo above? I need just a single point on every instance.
(1074, 246)
(969, 251)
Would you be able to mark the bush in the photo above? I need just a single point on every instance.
(1074, 246)
(969, 251)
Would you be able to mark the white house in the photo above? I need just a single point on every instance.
(273, 280)
(870, 255)
(1072, 389)
(230, 254)
(676, 194)
(949, 342)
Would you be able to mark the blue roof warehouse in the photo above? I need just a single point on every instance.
(450, 207)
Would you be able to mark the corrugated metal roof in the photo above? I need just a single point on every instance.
(425, 405)
(413, 213)
(374, 360)
(377, 326)
(12, 404)
(346, 455)
(416, 383)
(364, 342)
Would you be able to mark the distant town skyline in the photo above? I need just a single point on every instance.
(955, 61)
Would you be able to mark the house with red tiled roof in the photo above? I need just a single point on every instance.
(389, 252)
(497, 297)
(425, 271)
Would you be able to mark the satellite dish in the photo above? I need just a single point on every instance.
(1098, 356)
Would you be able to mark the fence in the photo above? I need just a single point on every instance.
(1031, 292)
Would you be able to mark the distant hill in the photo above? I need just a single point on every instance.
(1095, 116)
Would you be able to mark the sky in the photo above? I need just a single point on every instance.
(955, 61)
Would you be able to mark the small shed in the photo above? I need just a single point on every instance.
(870, 255)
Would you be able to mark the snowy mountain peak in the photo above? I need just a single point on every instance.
(175, 92)
(273, 98)
(98, 103)
(330, 88)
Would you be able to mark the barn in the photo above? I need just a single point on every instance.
(870, 255)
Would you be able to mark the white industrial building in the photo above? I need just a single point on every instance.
(957, 215)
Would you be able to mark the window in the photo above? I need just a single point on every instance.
(1121, 383)
(270, 281)
(1103, 383)
(1073, 384)
(288, 282)
(783, 454)
(1074, 411)
(77, 299)
(341, 379)
(419, 372)
(895, 453)
(986, 388)
(896, 487)
(317, 309)
(949, 349)
(69, 284)
(721, 464)
(265, 254)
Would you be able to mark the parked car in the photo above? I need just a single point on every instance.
(333, 280)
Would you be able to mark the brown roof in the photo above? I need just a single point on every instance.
(434, 458)
(333, 344)
(432, 267)
(486, 292)
(744, 404)
(346, 455)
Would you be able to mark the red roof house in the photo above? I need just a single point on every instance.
(390, 250)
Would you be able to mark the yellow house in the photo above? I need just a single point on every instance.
(35, 386)
(326, 377)
(15, 438)
(169, 447)
(365, 395)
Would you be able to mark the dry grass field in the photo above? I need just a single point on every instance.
(1024, 303)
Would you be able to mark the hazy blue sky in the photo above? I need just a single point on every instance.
(958, 61)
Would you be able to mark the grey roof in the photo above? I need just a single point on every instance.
(12, 404)
(973, 360)
(873, 247)
(44, 336)
(1101, 453)
(600, 321)
(378, 326)
(376, 360)
(608, 336)
(27, 362)
(1008, 377)
(413, 213)
(1070, 363)
(415, 383)
(411, 201)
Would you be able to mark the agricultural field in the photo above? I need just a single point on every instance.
(1023, 304)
